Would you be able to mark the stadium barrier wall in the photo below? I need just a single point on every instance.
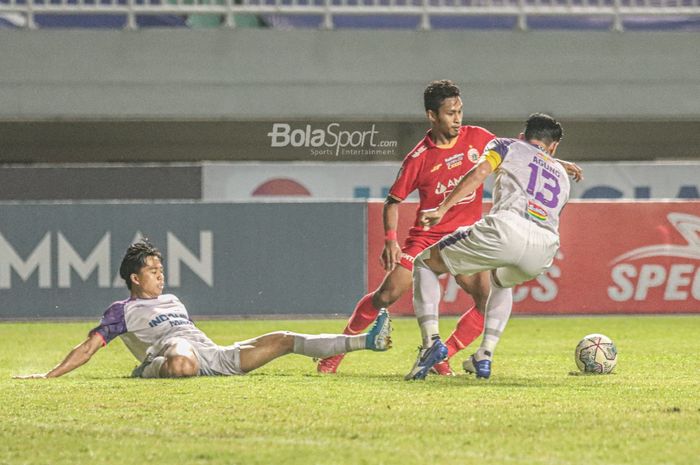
(327, 140)
(253, 74)
(62, 259)
(241, 182)
(615, 257)
(341, 181)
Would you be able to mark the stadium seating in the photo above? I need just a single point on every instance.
(353, 14)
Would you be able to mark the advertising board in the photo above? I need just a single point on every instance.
(615, 257)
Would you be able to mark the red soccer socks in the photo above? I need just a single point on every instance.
(469, 327)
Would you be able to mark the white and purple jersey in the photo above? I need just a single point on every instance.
(529, 182)
(145, 324)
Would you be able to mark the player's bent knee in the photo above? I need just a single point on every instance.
(181, 366)
(393, 287)
(282, 339)
(477, 286)
(480, 297)
(385, 297)
(389, 293)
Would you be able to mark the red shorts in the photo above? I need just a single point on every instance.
(414, 245)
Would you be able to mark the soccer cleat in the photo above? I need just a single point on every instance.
(427, 358)
(329, 365)
(481, 368)
(442, 369)
(379, 337)
(138, 371)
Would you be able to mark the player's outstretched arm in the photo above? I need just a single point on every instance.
(572, 169)
(77, 357)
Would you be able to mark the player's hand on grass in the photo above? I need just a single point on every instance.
(573, 170)
(430, 218)
(33, 376)
(391, 255)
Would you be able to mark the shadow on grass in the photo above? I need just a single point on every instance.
(444, 382)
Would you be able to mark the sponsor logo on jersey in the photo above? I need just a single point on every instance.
(444, 190)
(175, 319)
(419, 150)
(440, 188)
(436, 167)
(454, 161)
(409, 258)
(536, 211)
(673, 268)
(473, 154)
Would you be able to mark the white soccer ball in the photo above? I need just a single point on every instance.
(596, 353)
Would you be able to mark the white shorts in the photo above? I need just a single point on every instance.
(214, 360)
(516, 247)
(220, 360)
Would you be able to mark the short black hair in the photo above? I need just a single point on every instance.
(437, 92)
(544, 128)
(135, 259)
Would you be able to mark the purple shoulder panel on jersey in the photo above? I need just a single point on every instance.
(500, 146)
(112, 323)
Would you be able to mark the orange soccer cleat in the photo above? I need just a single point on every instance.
(329, 365)
(443, 369)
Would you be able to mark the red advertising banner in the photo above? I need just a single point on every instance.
(615, 257)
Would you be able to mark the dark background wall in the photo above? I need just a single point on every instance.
(48, 182)
(166, 141)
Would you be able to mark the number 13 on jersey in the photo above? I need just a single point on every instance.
(544, 183)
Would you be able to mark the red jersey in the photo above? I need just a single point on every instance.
(435, 172)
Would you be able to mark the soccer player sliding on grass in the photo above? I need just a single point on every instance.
(516, 241)
(157, 329)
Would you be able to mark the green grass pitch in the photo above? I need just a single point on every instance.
(532, 411)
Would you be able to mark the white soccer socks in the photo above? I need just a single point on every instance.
(426, 300)
(327, 345)
(498, 308)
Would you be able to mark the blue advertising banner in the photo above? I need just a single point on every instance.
(62, 259)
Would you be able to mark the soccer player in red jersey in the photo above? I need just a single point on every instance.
(434, 167)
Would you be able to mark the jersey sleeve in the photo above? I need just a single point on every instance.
(495, 151)
(112, 323)
(407, 179)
